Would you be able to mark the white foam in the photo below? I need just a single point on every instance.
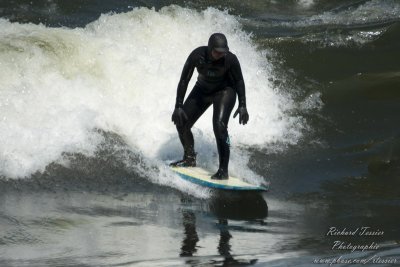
(120, 74)
(369, 12)
(306, 3)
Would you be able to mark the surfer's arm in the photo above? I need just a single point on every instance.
(237, 76)
(187, 73)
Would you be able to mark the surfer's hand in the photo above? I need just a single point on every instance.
(179, 117)
(243, 115)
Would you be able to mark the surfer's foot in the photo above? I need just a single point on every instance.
(187, 161)
(220, 175)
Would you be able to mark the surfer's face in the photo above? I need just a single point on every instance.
(217, 55)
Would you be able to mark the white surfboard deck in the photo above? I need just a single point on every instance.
(202, 177)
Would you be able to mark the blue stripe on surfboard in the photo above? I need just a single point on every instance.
(220, 186)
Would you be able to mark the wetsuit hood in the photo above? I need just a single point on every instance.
(218, 42)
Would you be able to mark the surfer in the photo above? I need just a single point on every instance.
(220, 79)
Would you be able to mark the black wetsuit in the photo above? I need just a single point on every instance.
(218, 83)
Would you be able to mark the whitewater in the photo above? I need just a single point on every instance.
(61, 87)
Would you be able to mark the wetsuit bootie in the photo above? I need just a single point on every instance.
(187, 161)
(220, 175)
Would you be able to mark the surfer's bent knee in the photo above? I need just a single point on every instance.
(183, 128)
(220, 129)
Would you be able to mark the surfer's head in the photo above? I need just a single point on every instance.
(217, 45)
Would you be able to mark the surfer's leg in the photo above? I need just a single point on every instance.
(195, 105)
(223, 104)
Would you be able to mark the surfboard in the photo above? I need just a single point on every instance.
(202, 177)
